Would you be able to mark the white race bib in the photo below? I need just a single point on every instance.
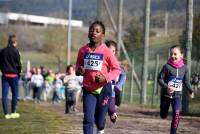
(93, 61)
(176, 83)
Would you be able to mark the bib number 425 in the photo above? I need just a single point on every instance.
(92, 63)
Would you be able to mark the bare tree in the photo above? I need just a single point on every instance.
(143, 99)
(188, 47)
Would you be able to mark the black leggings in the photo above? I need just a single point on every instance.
(176, 108)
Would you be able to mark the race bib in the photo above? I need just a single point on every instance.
(93, 61)
(176, 83)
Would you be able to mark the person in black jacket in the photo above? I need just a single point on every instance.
(10, 66)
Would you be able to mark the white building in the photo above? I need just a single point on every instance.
(6, 18)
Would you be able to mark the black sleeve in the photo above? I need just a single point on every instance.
(18, 62)
(0, 59)
(162, 76)
(186, 81)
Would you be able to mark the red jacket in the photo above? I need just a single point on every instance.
(101, 61)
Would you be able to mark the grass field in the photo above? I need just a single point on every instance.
(33, 120)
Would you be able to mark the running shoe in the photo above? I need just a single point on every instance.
(7, 116)
(15, 115)
(113, 117)
(100, 132)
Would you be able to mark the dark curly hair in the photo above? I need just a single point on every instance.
(100, 24)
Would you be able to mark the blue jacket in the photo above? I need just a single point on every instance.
(118, 84)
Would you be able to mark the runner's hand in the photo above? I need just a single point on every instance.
(170, 90)
(116, 89)
(192, 95)
(100, 78)
(81, 70)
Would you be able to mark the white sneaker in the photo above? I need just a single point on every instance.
(15, 115)
(100, 132)
(7, 116)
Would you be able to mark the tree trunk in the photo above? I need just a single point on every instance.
(188, 47)
(143, 98)
(99, 10)
(120, 6)
(155, 79)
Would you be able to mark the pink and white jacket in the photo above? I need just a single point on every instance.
(101, 61)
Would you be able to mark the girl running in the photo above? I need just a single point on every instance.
(37, 82)
(117, 85)
(99, 66)
(73, 86)
(171, 78)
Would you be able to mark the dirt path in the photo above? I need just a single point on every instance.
(132, 120)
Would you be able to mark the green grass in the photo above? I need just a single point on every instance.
(38, 59)
(42, 59)
(162, 40)
(33, 120)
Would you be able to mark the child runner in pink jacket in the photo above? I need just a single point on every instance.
(99, 66)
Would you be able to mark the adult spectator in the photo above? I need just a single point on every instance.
(10, 66)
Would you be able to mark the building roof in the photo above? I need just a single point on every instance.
(6, 17)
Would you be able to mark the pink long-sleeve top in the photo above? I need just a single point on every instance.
(101, 61)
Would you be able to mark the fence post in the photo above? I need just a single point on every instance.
(155, 79)
(123, 94)
(28, 65)
(132, 69)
